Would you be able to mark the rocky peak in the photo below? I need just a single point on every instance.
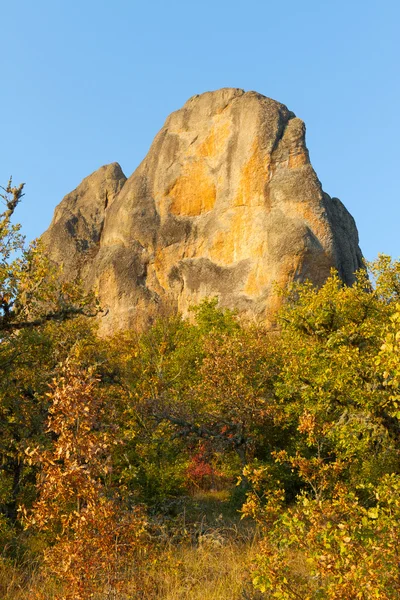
(226, 203)
(74, 234)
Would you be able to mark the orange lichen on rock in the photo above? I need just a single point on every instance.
(225, 204)
(255, 174)
(194, 192)
(313, 217)
(229, 245)
(240, 239)
(259, 278)
(159, 267)
(215, 142)
(298, 160)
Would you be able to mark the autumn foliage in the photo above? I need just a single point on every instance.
(339, 389)
(92, 536)
(105, 440)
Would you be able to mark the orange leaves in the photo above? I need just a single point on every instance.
(92, 535)
(307, 425)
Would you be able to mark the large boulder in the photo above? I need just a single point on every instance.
(226, 203)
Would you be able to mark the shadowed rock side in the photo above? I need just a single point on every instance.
(225, 203)
(73, 237)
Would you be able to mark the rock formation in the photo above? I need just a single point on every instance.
(226, 203)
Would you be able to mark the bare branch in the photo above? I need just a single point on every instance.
(12, 197)
(7, 325)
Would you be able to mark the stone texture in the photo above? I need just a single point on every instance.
(74, 234)
(225, 203)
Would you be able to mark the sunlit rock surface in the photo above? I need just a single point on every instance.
(226, 203)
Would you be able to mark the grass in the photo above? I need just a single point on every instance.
(202, 552)
(22, 581)
(213, 559)
(216, 569)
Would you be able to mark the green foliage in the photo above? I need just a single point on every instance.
(304, 418)
(36, 358)
(31, 292)
(36, 309)
(336, 548)
(152, 463)
(385, 274)
(329, 386)
(338, 391)
(164, 410)
(210, 318)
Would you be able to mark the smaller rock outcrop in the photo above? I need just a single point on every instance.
(73, 237)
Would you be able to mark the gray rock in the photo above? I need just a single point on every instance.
(226, 203)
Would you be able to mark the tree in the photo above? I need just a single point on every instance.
(338, 392)
(32, 299)
(92, 536)
(31, 292)
(36, 358)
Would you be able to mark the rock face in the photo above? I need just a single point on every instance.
(226, 203)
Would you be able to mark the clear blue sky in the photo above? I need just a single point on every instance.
(85, 83)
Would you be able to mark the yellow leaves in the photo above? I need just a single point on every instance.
(373, 513)
(355, 557)
(31, 455)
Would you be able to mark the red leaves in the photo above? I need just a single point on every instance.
(200, 471)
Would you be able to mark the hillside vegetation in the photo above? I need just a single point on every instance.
(203, 458)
